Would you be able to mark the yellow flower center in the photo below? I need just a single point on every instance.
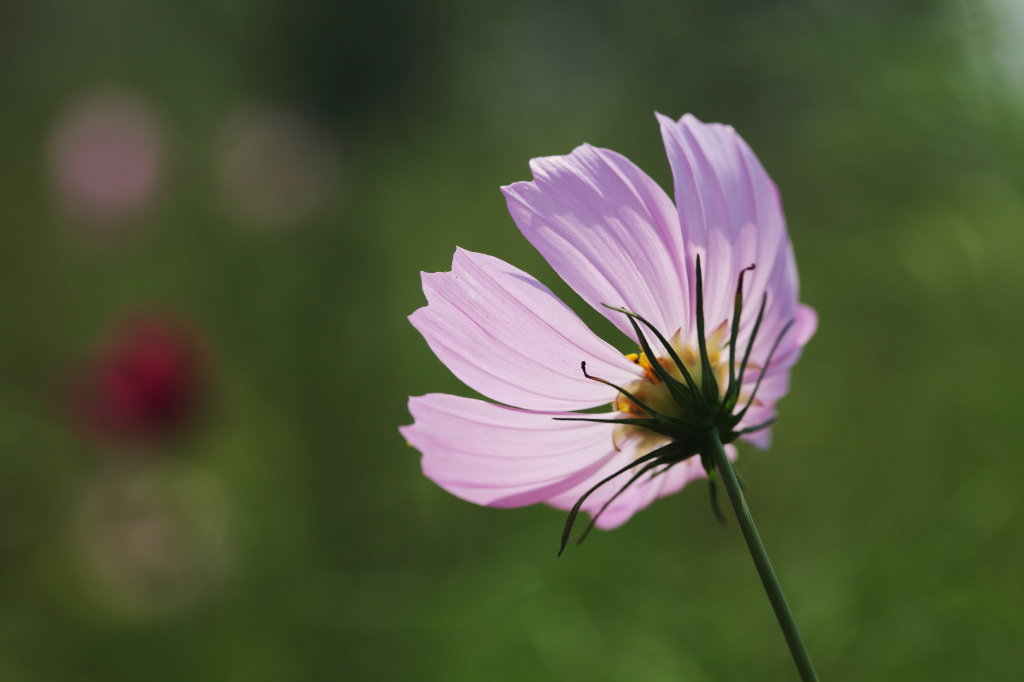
(652, 391)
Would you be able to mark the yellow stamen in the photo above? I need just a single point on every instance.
(652, 391)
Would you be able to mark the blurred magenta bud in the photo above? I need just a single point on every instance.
(144, 386)
(106, 157)
(275, 168)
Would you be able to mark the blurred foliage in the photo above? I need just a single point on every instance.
(890, 500)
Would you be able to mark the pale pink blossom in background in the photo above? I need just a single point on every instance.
(617, 239)
(152, 539)
(106, 157)
(275, 168)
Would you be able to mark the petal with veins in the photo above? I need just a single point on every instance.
(609, 231)
(730, 214)
(506, 335)
(500, 456)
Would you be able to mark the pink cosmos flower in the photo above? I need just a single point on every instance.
(673, 277)
(106, 157)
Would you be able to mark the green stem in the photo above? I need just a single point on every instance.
(764, 565)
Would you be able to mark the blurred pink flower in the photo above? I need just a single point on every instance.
(275, 168)
(152, 539)
(618, 240)
(106, 157)
(145, 385)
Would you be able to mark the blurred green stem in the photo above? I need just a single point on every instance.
(764, 565)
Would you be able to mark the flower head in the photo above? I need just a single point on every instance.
(106, 157)
(705, 289)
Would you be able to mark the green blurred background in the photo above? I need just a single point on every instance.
(314, 156)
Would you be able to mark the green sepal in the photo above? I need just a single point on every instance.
(708, 382)
(734, 334)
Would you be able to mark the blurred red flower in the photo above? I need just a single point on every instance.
(144, 386)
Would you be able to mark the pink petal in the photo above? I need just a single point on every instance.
(805, 323)
(773, 388)
(503, 457)
(762, 439)
(609, 231)
(731, 215)
(791, 344)
(776, 382)
(507, 336)
(642, 493)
